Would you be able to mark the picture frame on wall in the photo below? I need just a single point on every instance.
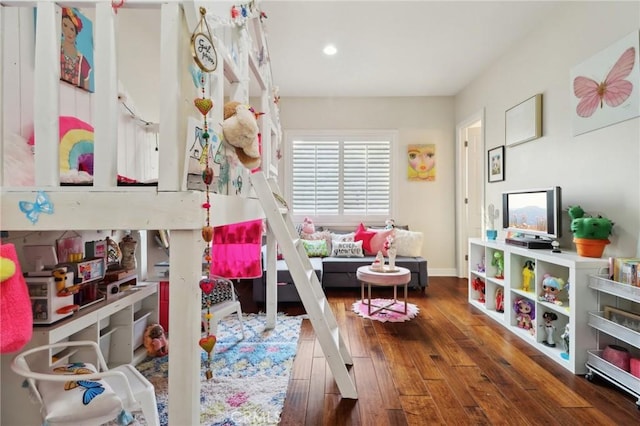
(495, 164)
(523, 122)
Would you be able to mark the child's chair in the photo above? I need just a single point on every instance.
(78, 393)
(219, 300)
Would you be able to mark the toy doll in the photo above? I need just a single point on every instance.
(528, 275)
(478, 285)
(499, 300)
(565, 342)
(498, 262)
(480, 266)
(551, 287)
(549, 328)
(525, 314)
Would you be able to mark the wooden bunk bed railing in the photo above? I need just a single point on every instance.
(169, 205)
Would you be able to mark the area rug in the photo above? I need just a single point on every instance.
(386, 316)
(250, 376)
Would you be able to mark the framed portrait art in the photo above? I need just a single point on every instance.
(495, 164)
(76, 49)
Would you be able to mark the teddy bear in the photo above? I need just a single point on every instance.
(155, 341)
(240, 130)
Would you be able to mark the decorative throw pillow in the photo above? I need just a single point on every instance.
(320, 235)
(346, 249)
(364, 235)
(71, 402)
(315, 248)
(377, 241)
(343, 237)
(408, 243)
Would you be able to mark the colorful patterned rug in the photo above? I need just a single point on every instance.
(250, 376)
(384, 315)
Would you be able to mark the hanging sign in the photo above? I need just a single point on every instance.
(202, 49)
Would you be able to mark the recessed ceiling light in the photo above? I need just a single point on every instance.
(330, 49)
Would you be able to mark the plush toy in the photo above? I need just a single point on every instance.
(551, 286)
(389, 224)
(307, 226)
(155, 341)
(498, 262)
(16, 319)
(240, 129)
(478, 285)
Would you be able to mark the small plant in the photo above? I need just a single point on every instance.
(492, 215)
(591, 228)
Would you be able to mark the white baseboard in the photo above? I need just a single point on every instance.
(443, 272)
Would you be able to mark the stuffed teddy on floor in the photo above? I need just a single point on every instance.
(16, 318)
(240, 130)
(155, 341)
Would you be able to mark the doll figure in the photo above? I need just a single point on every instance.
(528, 275)
(565, 341)
(499, 300)
(480, 266)
(478, 285)
(551, 287)
(498, 262)
(549, 328)
(390, 246)
(525, 314)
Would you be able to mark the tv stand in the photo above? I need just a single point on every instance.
(530, 243)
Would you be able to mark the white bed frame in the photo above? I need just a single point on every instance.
(167, 206)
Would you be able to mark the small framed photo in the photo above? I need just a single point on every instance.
(495, 165)
(624, 318)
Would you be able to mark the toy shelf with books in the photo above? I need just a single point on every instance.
(543, 296)
(616, 320)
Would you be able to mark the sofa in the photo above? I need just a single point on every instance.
(338, 271)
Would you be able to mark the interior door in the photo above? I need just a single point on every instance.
(470, 187)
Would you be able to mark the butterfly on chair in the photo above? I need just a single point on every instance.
(92, 389)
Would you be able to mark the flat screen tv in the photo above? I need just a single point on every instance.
(533, 213)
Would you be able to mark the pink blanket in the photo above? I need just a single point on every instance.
(236, 250)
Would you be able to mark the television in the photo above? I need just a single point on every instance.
(532, 217)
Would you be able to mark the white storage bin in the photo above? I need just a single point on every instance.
(139, 326)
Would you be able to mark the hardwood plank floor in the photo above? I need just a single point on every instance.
(449, 365)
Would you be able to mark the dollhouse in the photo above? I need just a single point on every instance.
(34, 97)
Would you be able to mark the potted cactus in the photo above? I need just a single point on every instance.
(492, 215)
(590, 234)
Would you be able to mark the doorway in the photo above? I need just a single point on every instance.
(469, 186)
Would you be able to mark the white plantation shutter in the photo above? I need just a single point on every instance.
(344, 179)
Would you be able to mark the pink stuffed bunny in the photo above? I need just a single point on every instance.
(307, 226)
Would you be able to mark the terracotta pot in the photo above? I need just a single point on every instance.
(590, 248)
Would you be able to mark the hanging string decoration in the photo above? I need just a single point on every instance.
(240, 13)
(204, 55)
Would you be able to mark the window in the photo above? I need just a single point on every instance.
(340, 179)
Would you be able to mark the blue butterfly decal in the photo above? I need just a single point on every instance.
(41, 205)
(92, 389)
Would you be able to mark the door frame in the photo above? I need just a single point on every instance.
(462, 237)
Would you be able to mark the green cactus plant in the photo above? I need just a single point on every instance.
(591, 228)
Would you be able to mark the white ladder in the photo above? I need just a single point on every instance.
(306, 282)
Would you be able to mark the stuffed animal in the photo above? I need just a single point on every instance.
(240, 130)
(16, 318)
(307, 226)
(155, 341)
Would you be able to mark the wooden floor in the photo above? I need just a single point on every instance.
(449, 365)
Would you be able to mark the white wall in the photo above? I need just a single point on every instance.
(424, 206)
(597, 170)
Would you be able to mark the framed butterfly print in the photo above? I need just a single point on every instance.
(605, 88)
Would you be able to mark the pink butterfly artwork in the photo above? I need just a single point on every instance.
(613, 91)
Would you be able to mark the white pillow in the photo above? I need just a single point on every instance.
(408, 243)
(95, 400)
(346, 249)
(19, 163)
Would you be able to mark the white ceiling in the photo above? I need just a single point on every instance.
(391, 48)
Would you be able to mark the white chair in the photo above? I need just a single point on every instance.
(78, 393)
(220, 301)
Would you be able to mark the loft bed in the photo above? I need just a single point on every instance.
(168, 204)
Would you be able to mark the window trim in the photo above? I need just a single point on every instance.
(341, 135)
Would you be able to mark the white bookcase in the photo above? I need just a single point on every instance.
(117, 324)
(576, 299)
